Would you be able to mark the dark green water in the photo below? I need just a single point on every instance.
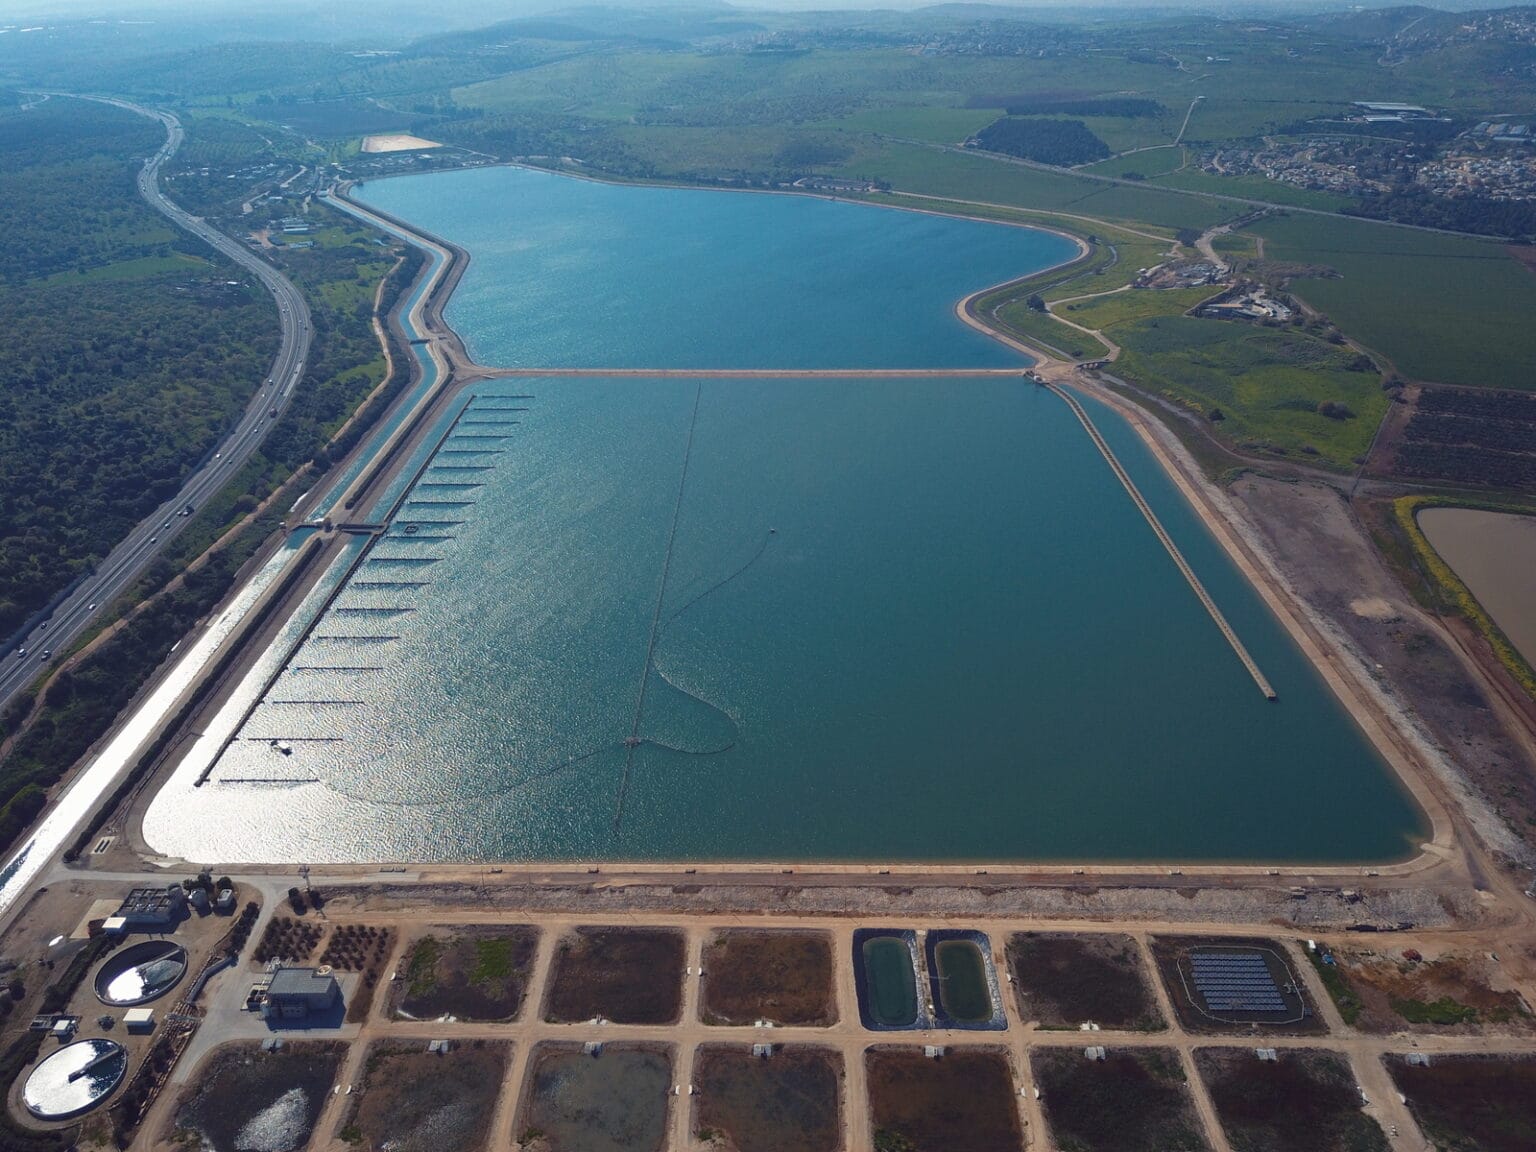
(892, 983)
(963, 981)
(786, 619)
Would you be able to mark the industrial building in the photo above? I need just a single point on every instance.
(294, 993)
(150, 909)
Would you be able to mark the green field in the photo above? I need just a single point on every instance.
(956, 175)
(1443, 308)
(1056, 337)
(1268, 384)
(1134, 304)
(928, 124)
(1148, 162)
(1253, 188)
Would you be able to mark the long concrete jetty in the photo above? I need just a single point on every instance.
(1162, 534)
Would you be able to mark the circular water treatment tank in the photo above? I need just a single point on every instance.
(75, 1079)
(140, 973)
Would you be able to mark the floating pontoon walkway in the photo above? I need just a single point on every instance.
(1173, 549)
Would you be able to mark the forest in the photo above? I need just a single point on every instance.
(1411, 204)
(125, 351)
(1060, 142)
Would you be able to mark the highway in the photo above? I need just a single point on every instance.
(133, 555)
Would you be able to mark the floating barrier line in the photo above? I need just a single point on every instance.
(1173, 549)
(334, 668)
(661, 594)
(270, 740)
(719, 584)
(267, 780)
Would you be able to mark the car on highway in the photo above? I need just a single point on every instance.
(90, 607)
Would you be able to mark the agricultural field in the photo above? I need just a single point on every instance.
(962, 1102)
(1472, 1103)
(1251, 187)
(626, 975)
(412, 1100)
(1463, 437)
(784, 1102)
(288, 939)
(1306, 1101)
(1144, 163)
(928, 125)
(1442, 309)
(961, 176)
(1131, 1101)
(1390, 991)
(784, 977)
(1062, 980)
(477, 973)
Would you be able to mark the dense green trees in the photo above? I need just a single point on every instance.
(1045, 141)
(123, 355)
(1414, 204)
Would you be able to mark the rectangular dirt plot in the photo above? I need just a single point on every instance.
(1063, 980)
(614, 1100)
(965, 1101)
(1398, 989)
(785, 977)
(1130, 1101)
(418, 1101)
(1234, 984)
(470, 973)
(247, 1099)
(626, 975)
(786, 1101)
(1303, 1101)
(1472, 1103)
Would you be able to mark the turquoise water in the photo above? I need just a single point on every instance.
(573, 273)
(786, 619)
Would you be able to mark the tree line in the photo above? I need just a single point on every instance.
(1045, 141)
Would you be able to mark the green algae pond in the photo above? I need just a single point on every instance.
(962, 978)
(890, 980)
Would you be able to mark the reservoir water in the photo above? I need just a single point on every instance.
(769, 618)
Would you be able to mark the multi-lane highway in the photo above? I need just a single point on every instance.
(133, 554)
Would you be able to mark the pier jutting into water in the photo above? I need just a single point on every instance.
(1167, 541)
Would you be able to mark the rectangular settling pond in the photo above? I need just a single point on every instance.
(781, 619)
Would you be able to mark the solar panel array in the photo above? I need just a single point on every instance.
(1236, 982)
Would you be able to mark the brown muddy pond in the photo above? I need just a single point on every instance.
(1494, 553)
